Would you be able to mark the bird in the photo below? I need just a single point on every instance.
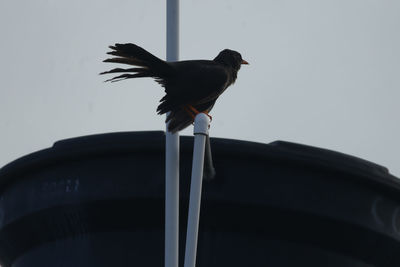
(191, 86)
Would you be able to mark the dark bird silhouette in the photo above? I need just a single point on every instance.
(191, 86)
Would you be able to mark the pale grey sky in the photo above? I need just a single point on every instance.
(322, 73)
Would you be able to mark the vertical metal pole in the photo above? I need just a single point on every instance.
(201, 124)
(172, 30)
(172, 152)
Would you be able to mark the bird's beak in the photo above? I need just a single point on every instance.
(245, 62)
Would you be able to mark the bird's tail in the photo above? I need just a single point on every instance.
(147, 65)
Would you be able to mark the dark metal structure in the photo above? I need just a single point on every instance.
(99, 201)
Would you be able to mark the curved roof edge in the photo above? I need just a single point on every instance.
(152, 141)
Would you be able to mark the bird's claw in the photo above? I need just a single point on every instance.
(193, 112)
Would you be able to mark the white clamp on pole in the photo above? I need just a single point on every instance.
(201, 125)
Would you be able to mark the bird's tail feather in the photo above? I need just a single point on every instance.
(137, 73)
(131, 54)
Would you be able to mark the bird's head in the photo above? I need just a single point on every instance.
(231, 58)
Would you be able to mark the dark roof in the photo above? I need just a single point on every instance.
(154, 141)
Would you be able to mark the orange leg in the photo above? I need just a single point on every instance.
(195, 111)
(192, 111)
(189, 111)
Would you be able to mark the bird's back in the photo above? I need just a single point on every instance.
(199, 80)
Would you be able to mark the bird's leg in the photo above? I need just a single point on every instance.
(192, 111)
(195, 111)
(189, 111)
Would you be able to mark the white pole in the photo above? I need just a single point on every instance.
(201, 125)
(172, 152)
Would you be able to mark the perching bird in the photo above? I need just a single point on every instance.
(191, 86)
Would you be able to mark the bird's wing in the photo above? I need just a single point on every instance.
(199, 81)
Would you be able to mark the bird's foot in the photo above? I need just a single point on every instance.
(192, 111)
(208, 115)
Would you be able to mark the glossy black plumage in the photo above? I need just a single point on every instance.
(197, 83)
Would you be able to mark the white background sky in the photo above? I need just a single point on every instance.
(322, 73)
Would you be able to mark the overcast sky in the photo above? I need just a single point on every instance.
(322, 73)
